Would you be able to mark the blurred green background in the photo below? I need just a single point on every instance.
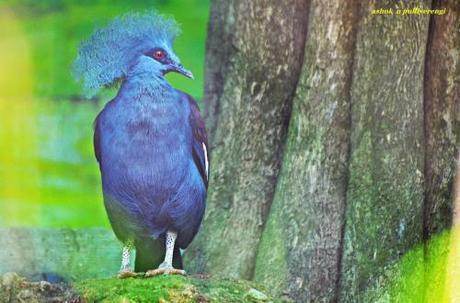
(48, 174)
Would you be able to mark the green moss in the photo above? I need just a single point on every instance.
(171, 289)
(422, 275)
(272, 254)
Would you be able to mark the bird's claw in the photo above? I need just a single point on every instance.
(123, 274)
(164, 271)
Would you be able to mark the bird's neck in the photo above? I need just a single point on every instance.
(146, 85)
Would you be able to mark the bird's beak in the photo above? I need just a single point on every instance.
(181, 70)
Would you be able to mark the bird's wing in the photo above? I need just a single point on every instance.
(97, 131)
(96, 139)
(200, 141)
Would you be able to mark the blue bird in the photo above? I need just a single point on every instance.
(150, 141)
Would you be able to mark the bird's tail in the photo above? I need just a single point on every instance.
(150, 254)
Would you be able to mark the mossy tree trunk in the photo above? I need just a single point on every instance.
(219, 50)
(442, 123)
(318, 202)
(254, 91)
(442, 115)
(384, 216)
(300, 249)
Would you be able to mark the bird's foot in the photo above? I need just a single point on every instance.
(165, 269)
(126, 273)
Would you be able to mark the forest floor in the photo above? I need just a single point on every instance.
(178, 289)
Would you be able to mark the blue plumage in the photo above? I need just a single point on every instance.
(150, 140)
(108, 54)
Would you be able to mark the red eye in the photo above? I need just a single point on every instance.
(158, 54)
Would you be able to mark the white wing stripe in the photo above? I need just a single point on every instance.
(206, 164)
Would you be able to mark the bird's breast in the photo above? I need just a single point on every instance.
(148, 146)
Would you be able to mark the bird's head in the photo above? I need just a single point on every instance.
(159, 61)
(131, 45)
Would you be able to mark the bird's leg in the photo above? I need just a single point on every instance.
(166, 267)
(126, 269)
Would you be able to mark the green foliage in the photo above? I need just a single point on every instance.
(54, 30)
(54, 181)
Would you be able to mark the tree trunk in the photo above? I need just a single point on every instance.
(385, 198)
(442, 131)
(300, 249)
(219, 50)
(367, 162)
(442, 116)
(261, 74)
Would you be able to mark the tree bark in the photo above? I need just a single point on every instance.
(442, 133)
(253, 114)
(300, 250)
(385, 191)
(442, 116)
(219, 50)
(367, 161)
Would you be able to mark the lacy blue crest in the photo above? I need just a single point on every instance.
(105, 57)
